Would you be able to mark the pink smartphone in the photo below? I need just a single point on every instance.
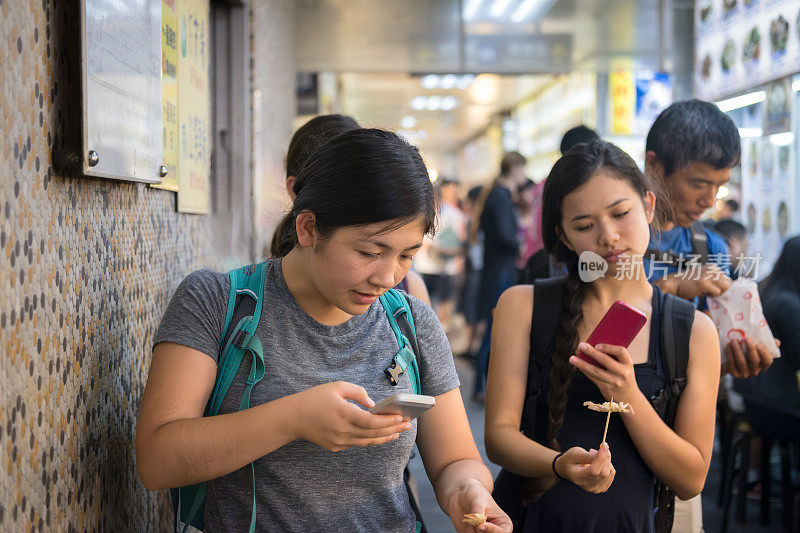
(618, 327)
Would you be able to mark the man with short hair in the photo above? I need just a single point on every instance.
(690, 149)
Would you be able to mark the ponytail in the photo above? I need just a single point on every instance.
(285, 237)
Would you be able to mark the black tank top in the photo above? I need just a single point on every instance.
(628, 504)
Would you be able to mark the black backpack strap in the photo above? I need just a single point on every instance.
(676, 328)
(548, 295)
(699, 241)
(548, 298)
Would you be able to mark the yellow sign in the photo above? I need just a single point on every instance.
(169, 93)
(622, 90)
(194, 125)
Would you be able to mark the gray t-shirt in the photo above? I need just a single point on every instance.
(302, 486)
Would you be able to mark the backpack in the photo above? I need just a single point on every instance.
(245, 304)
(676, 326)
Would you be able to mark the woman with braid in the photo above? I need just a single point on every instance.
(596, 199)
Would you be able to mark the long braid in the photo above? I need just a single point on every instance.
(566, 344)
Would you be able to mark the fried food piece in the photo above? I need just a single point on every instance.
(474, 519)
(606, 407)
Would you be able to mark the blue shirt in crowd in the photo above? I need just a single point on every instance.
(679, 241)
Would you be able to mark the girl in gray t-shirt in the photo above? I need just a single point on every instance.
(322, 462)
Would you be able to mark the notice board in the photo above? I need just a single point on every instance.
(121, 80)
(194, 110)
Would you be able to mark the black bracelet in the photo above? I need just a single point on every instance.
(559, 476)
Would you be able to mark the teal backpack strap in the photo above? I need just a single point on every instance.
(399, 314)
(245, 303)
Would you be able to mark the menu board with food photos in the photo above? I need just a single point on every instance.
(767, 177)
(744, 43)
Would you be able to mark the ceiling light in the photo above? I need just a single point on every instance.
(471, 9)
(418, 103)
(723, 192)
(448, 103)
(524, 10)
(449, 81)
(750, 132)
(782, 139)
(465, 81)
(408, 122)
(430, 81)
(796, 85)
(433, 103)
(742, 101)
(499, 7)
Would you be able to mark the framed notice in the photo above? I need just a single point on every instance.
(169, 93)
(194, 124)
(121, 82)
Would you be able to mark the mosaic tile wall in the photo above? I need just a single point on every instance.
(86, 270)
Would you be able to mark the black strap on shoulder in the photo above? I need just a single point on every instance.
(548, 296)
(676, 327)
(699, 241)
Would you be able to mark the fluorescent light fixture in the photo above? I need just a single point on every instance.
(782, 139)
(449, 81)
(433, 102)
(448, 103)
(723, 192)
(471, 9)
(742, 101)
(750, 132)
(499, 7)
(408, 122)
(465, 81)
(430, 81)
(524, 10)
(418, 103)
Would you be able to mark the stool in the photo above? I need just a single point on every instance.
(735, 474)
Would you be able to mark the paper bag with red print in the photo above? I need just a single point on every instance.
(738, 315)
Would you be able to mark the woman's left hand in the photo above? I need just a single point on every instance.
(617, 379)
(472, 497)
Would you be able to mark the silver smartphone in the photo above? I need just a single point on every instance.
(406, 404)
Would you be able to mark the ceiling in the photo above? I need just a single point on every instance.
(381, 49)
(384, 99)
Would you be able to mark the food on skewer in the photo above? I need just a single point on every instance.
(611, 406)
(474, 519)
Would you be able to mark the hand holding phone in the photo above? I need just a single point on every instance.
(409, 405)
(618, 327)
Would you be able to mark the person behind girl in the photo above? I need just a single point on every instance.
(305, 140)
(322, 462)
(596, 199)
(772, 399)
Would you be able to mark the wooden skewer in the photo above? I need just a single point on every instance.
(608, 418)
